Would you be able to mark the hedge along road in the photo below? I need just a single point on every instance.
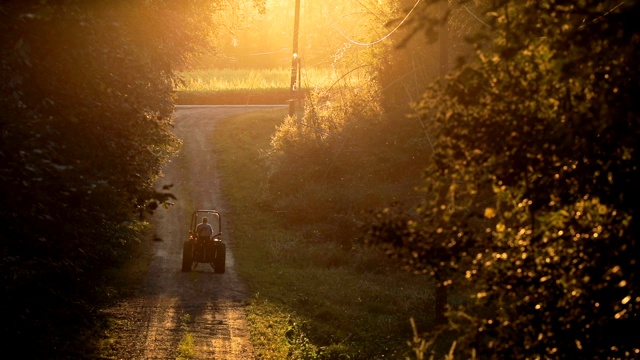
(194, 315)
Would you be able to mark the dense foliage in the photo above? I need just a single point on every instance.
(530, 203)
(86, 98)
(318, 153)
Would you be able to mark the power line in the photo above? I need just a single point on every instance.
(601, 16)
(268, 52)
(355, 42)
(474, 15)
(583, 25)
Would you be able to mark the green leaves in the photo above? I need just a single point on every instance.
(86, 91)
(532, 178)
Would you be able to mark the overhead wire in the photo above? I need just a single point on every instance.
(406, 17)
(583, 25)
(385, 37)
(268, 52)
(476, 17)
(603, 15)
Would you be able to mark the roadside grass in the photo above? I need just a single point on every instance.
(311, 297)
(264, 79)
(121, 281)
(251, 86)
(186, 347)
(232, 79)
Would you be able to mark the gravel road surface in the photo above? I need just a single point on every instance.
(196, 315)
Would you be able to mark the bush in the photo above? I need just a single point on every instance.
(530, 202)
(87, 96)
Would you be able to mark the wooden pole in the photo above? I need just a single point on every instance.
(295, 61)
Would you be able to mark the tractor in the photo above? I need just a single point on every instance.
(204, 250)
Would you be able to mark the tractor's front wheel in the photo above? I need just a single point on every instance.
(187, 256)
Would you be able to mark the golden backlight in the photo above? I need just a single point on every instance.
(329, 30)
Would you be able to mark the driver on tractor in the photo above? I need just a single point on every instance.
(204, 230)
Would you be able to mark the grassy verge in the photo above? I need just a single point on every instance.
(115, 284)
(253, 86)
(310, 298)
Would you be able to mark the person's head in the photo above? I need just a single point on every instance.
(204, 219)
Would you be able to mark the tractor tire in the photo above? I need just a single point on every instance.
(221, 254)
(187, 256)
(209, 252)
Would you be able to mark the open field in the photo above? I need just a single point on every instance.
(252, 86)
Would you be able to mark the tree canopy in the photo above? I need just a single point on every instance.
(86, 91)
(529, 206)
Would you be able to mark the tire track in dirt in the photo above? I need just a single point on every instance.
(196, 315)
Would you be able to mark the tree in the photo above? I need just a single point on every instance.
(86, 91)
(529, 201)
(337, 120)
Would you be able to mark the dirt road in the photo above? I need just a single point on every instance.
(176, 315)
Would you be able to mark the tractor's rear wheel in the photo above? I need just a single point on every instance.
(187, 256)
(221, 254)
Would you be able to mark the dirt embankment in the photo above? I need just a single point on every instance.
(197, 315)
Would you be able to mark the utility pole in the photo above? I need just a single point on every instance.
(295, 62)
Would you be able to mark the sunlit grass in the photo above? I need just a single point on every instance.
(260, 79)
(259, 86)
(186, 348)
(233, 79)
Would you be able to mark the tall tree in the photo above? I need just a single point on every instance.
(530, 201)
(86, 91)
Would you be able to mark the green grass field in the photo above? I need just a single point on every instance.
(310, 298)
(251, 86)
